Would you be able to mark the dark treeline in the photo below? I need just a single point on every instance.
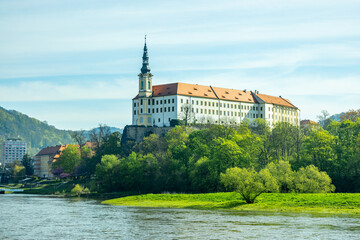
(189, 160)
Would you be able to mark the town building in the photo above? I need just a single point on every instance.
(47, 156)
(157, 105)
(44, 159)
(12, 149)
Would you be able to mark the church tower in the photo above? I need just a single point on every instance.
(145, 77)
(144, 116)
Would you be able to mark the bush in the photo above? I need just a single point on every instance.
(78, 190)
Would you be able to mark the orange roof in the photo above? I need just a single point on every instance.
(215, 93)
(276, 100)
(234, 95)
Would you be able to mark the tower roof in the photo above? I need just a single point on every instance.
(145, 64)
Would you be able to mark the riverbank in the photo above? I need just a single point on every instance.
(330, 203)
(62, 189)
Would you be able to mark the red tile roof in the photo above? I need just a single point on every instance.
(215, 93)
(275, 100)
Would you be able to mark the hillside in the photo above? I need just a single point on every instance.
(36, 134)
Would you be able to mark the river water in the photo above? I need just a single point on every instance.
(43, 217)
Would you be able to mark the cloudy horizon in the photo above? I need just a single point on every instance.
(74, 64)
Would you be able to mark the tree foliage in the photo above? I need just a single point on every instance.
(249, 183)
(69, 159)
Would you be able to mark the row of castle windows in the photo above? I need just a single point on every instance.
(156, 102)
(224, 113)
(168, 109)
(228, 105)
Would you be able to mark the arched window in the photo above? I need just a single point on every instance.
(142, 85)
(149, 85)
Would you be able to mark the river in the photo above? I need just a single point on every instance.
(44, 217)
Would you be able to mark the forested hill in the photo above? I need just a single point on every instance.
(36, 134)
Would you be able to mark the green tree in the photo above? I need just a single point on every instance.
(318, 149)
(283, 174)
(249, 183)
(27, 162)
(18, 172)
(311, 180)
(107, 173)
(69, 159)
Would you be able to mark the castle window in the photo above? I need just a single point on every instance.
(213, 111)
(182, 101)
(161, 110)
(149, 111)
(192, 102)
(157, 110)
(205, 103)
(134, 112)
(169, 120)
(173, 109)
(164, 109)
(141, 110)
(173, 100)
(158, 119)
(187, 101)
(153, 102)
(141, 102)
(182, 109)
(261, 115)
(197, 110)
(160, 101)
(168, 109)
(134, 104)
(201, 111)
(153, 110)
(197, 102)
(260, 108)
(142, 85)
(148, 84)
(149, 102)
(205, 111)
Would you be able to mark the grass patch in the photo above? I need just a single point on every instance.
(333, 203)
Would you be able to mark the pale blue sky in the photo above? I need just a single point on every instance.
(74, 64)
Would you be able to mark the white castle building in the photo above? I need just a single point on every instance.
(158, 105)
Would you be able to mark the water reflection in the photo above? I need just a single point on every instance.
(39, 217)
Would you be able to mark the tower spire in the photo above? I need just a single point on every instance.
(145, 64)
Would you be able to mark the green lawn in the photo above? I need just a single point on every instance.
(334, 203)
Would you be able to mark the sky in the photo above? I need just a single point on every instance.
(74, 64)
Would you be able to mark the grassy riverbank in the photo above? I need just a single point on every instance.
(334, 203)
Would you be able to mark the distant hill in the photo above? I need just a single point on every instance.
(112, 130)
(336, 117)
(35, 133)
